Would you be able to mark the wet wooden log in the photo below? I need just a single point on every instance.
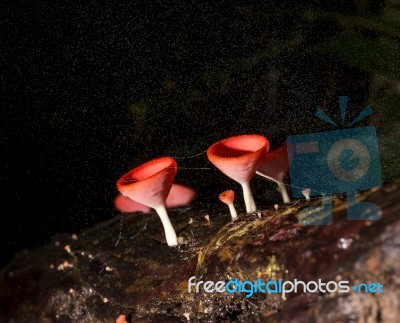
(124, 266)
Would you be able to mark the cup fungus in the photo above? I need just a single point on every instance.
(227, 197)
(121, 319)
(125, 204)
(178, 196)
(239, 157)
(274, 167)
(150, 184)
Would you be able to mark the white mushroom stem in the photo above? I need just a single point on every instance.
(170, 234)
(233, 211)
(253, 204)
(306, 192)
(248, 198)
(283, 191)
(281, 187)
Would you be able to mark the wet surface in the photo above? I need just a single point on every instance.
(124, 266)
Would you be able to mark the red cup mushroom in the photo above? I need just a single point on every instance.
(227, 197)
(150, 184)
(239, 157)
(178, 196)
(274, 167)
(121, 319)
(125, 204)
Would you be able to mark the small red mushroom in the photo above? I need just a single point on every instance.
(150, 184)
(239, 157)
(275, 166)
(227, 197)
(121, 319)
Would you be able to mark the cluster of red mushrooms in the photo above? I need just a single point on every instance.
(151, 185)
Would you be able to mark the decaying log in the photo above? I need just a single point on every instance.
(125, 267)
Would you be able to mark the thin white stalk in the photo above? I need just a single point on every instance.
(253, 204)
(170, 234)
(306, 192)
(233, 211)
(281, 187)
(284, 193)
(248, 198)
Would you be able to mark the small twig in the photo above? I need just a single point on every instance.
(251, 303)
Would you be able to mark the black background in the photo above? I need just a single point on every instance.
(70, 72)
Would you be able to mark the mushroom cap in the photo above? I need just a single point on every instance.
(238, 157)
(121, 319)
(227, 197)
(150, 183)
(275, 164)
(179, 195)
(125, 204)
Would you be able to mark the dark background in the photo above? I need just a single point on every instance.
(92, 90)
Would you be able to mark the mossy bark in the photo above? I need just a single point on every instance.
(124, 266)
